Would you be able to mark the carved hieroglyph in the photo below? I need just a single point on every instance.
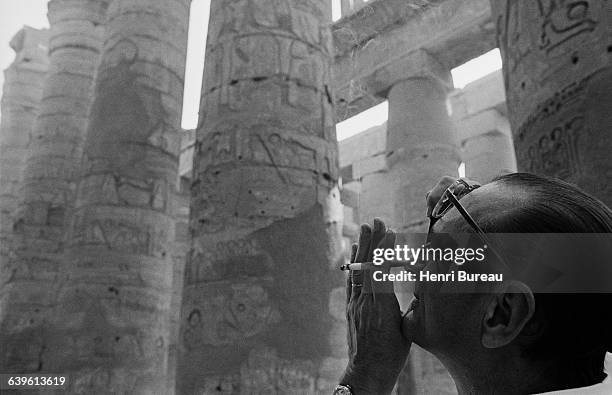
(557, 74)
(112, 325)
(32, 275)
(265, 213)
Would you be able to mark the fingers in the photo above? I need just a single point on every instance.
(369, 285)
(378, 233)
(365, 237)
(432, 197)
(353, 252)
(356, 278)
(388, 240)
(349, 282)
(361, 280)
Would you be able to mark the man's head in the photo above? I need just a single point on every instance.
(509, 320)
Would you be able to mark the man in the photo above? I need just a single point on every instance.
(507, 340)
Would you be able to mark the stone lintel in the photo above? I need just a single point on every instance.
(389, 31)
(373, 86)
(417, 64)
(354, 99)
(378, 16)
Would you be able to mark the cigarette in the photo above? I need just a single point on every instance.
(370, 265)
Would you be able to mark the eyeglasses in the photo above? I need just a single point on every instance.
(450, 198)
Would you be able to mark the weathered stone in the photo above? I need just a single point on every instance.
(386, 34)
(348, 7)
(181, 248)
(557, 75)
(257, 315)
(114, 323)
(20, 103)
(48, 188)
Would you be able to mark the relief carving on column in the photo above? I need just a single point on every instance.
(293, 161)
(563, 20)
(227, 318)
(512, 37)
(113, 189)
(240, 67)
(542, 43)
(239, 257)
(555, 153)
(270, 60)
(264, 157)
(554, 51)
(120, 236)
(265, 372)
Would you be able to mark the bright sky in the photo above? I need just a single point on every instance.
(16, 13)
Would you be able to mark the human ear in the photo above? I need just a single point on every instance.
(509, 309)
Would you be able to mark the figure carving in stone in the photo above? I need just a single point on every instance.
(564, 20)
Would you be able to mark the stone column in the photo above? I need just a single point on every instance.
(22, 91)
(263, 305)
(113, 318)
(558, 77)
(487, 148)
(479, 115)
(421, 147)
(28, 295)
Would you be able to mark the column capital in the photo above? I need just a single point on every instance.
(416, 65)
(369, 90)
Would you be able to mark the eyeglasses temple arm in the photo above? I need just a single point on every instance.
(477, 228)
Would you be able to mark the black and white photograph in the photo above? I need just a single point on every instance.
(305, 197)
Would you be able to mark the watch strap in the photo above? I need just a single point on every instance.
(343, 389)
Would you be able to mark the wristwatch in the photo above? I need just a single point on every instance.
(343, 389)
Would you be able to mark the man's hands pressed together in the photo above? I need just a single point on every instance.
(377, 348)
